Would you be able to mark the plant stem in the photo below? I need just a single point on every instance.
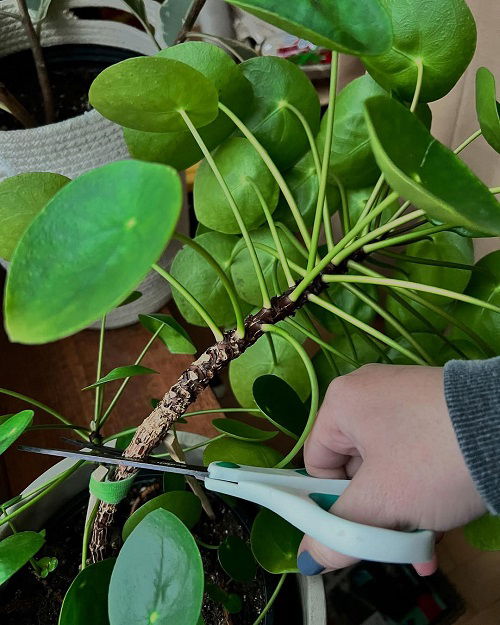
(99, 391)
(226, 282)
(470, 139)
(418, 85)
(86, 533)
(41, 69)
(272, 599)
(400, 211)
(204, 314)
(373, 196)
(230, 200)
(272, 349)
(404, 238)
(190, 20)
(12, 105)
(56, 426)
(495, 190)
(429, 261)
(274, 171)
(292, 238)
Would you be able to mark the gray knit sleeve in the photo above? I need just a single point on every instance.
(472, 391)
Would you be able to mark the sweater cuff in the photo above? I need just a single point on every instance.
(472, 392)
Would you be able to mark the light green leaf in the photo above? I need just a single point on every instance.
(89, 247)
(184, 504)
(429, 175)
(275, 543)
(12, 427)
(357, 28)
(22, 197)
(240, 452)
(16, 551)
(241, 430)
(86, 600)
(236, 558)
(158, 577)
(147, 92)
(280, 404)
(487, 107)
(439, 33)
(119, 373)
(484, 533)
(172, 334)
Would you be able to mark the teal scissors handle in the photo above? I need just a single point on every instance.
(304, 502)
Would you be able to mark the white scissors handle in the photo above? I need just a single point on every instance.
(303, 501)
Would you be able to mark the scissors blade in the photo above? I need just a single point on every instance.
(105, 457)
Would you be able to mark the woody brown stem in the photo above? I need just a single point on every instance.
(190, 20)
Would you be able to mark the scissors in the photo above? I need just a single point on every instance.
(295, 496)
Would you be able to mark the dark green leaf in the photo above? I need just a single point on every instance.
(242, 430)
(258, 360)
(72, 266)
(281, 404)
(139, 9)
(22, 197)
(134, 296)
(172, 334)
(16, 551)
(138, 93)
(441, 33)
(430, 175)
(173, 481)
(87, 598)
(179, 149)
(487, 107)
(484, 533)
(236, 558)
(230, 601)
(13, 426)
(240, 452)
(275, 543)
(158, 576)
(437, 348)
(184, 504)
(122, 372)
(361, 27)
(276, 81)
(173, 14)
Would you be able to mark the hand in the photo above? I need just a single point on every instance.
(387, 427)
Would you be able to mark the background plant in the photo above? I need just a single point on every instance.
(265, 271)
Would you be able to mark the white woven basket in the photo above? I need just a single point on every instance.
(77, 145)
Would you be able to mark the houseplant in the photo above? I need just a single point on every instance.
(408, 205)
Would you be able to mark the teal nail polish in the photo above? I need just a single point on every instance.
(308, 565)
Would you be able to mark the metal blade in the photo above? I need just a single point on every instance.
(104, 457)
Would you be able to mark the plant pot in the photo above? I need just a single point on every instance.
(311, 588)
(79, 144)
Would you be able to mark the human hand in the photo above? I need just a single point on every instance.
(387, 427)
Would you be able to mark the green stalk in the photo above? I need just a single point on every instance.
(470, 139)
(272, 252)
(293, 239)
(226, 282)
(366, 328)
(99, 391)
(274, 171)
(313, 409)
(56, 426)
(495, 190)
(429, 261)
(346, 221)
(86, 533)
(418, 86)
(373, 196)
(197, 446)
(266, 301)
(404, 238)
(272, 599)
(204, 314)
(274, 233)
(400, 211)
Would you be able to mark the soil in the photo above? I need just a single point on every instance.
(71, 68)
(27, 600)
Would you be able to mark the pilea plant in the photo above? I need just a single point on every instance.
(265, 271)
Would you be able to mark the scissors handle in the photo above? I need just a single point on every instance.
(304, 502)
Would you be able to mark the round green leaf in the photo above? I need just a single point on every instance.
(173, 481)
(258, 360)
(237, 161)
(440, 33)
(361, 27)
(357, 199)
(230, 601)
(12, 427)
(280, 404)
(87, 598)
(351, 159)
(179, 149)
(119, 373)
(429, 175)
(184, 504)
(485, 285)
(16, 551)
(487, 107)
(442, 246)
(484, 533)
(203, 282)
(275, 82)
(275, 543)
(22, 197)
(171, 334)
(236, 558)
(440, 351)
(243, 273)
(240, 452)
(89, 247)
(146, 93)
(158, 577)
(242, 431)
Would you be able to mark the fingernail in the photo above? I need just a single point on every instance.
(308, 565)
